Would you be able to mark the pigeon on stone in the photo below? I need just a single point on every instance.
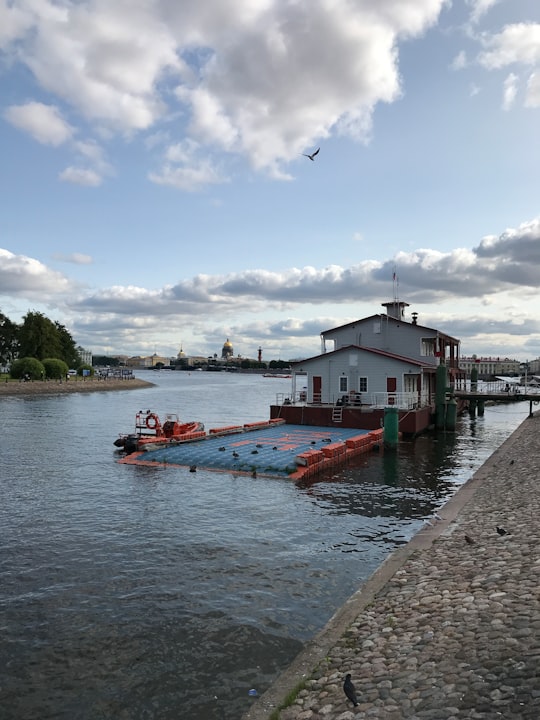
(349, 690)
(469, 540)
(500, 530)
(312, 156)
(192, 468)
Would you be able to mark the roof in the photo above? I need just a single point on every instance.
(389, 318)
(375, 351)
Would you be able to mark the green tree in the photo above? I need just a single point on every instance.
(9, 340)
(55, 369)
(88, 368)
(27, 366)
(39, 337)
(102, 360)
(69, 349)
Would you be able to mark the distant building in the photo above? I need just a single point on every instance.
(490, 366)
(227, 350)
(85, 355)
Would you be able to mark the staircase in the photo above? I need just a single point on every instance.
(337, 414)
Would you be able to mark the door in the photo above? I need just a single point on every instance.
(391, 387)
(317, 387)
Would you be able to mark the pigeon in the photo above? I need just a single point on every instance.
(192, 468)
(349, 689)
(312, 156)
(511, 462)
(469, 540)
(235, 454)
(501, 531)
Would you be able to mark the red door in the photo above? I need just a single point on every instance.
(391, 387)
(317, 385)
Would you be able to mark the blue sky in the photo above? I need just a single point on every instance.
(154, 192)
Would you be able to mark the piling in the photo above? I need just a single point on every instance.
(391, 426)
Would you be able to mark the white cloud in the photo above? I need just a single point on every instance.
(518, 43)
(533, 91)
(460, 61)
(25, 277)
(479, 8)
(510, 91)
(81, 176)
(75, 258)
(43, 122)
(263, 79)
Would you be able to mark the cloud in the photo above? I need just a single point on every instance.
(25, 277)
(510, 91)
(515, 44)
(496, 273)
(479, 8)
(81, 176)
(43, 122)
(533, 91)
(263, 80)
(74, 258)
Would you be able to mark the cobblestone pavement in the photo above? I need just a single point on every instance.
(453, 631)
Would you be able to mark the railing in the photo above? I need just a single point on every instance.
(403, 401)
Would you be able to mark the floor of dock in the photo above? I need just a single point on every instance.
(267, 451)
(449, 626)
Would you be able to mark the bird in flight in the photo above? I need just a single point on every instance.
(349, 690)
(312, 156)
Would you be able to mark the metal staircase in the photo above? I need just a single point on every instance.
(337, 414)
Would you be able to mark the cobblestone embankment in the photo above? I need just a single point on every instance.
(55, 387)
(447, 628)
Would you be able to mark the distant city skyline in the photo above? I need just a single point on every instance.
(155, 189)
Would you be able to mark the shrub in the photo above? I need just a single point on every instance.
(55, 369)
(89, 368)
(27, 366)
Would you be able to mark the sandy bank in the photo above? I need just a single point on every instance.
(55, 387)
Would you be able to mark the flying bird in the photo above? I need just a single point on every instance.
(312, 156)
(501, 531)
(349, 689)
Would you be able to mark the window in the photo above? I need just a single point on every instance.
(427, 347)
(377, 327)
(362, 384)
(343, 384)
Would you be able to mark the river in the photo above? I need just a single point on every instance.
(154, 593)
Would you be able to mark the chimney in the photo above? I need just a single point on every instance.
(395, 309)
(414, 318)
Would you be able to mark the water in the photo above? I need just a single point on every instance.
(138, 592)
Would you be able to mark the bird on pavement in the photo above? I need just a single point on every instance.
(469, 540)
(312, 156)
(500, 530)
(349, 690)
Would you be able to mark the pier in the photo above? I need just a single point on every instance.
(448, 627)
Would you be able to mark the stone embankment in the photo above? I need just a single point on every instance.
(56, 387)
(449, 627)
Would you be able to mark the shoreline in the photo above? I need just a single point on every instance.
(433, 633)
(56, 387)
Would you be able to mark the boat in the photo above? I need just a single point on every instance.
(150, 433)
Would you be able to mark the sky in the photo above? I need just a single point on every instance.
(155, 193)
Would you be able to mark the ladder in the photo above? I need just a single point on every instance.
(337, 414)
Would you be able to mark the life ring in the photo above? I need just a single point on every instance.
(152, 421)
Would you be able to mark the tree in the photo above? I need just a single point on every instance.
(9, 340)
(39, 337)
(27, 366)
(55, 369)
(69, 349)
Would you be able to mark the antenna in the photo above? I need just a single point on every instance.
(395, 281)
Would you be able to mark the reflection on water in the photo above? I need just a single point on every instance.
(137, 592)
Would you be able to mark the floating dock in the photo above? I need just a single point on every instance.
(272, 449)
